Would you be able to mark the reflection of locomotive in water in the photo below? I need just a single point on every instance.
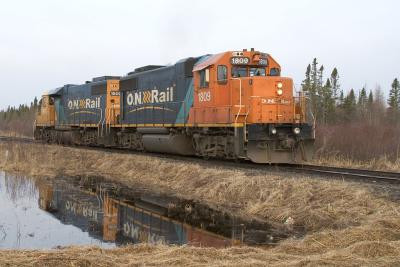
(112, 220)
(231, 105)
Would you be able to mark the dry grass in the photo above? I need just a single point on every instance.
(366, 253)
(347, 224)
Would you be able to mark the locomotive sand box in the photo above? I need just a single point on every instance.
(232, 105)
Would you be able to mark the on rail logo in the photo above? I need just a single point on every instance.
(81, 209)
(136, 232)
(87, 103)
(150, 96)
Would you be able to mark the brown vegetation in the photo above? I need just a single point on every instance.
(359, 145)
(367, 253)
(347, 224)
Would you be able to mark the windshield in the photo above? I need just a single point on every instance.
(246, 72)
(239, 72)
(257, 72)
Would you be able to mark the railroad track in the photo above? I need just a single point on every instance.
(370, 175)
(18, 139)
(337, 172)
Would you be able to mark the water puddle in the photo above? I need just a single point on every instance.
(38, 213)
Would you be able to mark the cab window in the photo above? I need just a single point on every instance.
(40, 106)
(257, 72)
(239, 72)
(43, 102)
(274, 72)
(203, 78)
(222, 73)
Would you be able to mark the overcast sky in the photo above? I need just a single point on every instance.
(46, 43)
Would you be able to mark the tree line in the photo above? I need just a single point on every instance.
(330, 105)
(19, 120)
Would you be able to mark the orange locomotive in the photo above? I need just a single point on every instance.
(232, 105)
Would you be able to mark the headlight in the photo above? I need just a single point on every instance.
(279, 91)
(296, 130)
(279, 85)
(273, 130)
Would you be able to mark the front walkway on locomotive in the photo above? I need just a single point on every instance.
(245, 88)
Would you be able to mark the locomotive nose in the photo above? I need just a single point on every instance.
(271, 100)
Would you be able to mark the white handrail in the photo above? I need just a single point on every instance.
(104, 120)
(240, 98)
(98, 124)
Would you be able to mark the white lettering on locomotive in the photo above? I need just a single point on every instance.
(204, 96)
(81, 209)
(150, 96)
(87, 103)
(275, 101)
(138, 233)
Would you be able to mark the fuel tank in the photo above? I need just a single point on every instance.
(151, 130)
(168, 143)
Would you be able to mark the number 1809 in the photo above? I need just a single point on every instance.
(204, 96)
(240, 60)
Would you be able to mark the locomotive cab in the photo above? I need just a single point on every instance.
(46, 112)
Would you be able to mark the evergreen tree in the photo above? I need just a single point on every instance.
(314, 76)
(313, 88)
(393, 101)
(362, 97)
(320, 76)
(306, 84)
(362, 103)
(370, 106)
(335, 83)
(350, 106)
(370, 99)
(323, 95)
(328, 103)
(341, 99)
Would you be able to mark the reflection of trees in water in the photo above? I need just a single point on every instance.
(20, 187)
(21, 192)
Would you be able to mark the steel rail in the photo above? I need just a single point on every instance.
(350, 172)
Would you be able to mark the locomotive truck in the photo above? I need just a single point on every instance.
(231, 105)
